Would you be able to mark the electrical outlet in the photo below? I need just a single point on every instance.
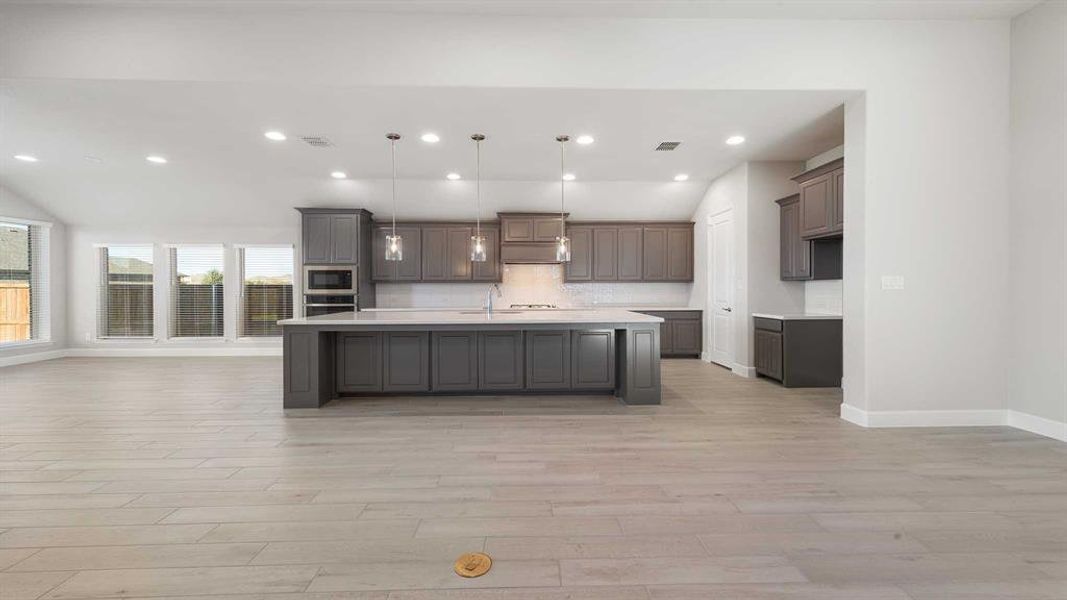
(892, 282)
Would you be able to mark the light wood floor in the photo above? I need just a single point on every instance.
(183, 477)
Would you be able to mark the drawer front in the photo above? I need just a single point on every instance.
(767, 324)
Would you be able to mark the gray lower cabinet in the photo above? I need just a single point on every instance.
(406, 361)
(799, 352)
(500, 360)
(455, 361)
(548, 359)
(593, 359)
(359, 362)
(681, 334)
(768, 353)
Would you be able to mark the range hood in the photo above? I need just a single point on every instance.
(529, 238)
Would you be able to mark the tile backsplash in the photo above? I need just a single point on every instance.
(531, 284)
(824, 296)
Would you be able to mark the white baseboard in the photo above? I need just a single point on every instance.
(157, 351)
(744, 370)
(956, 418)
(1040, 425)
(32, 357)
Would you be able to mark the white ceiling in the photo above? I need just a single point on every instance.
(674, 9)
(221, 165)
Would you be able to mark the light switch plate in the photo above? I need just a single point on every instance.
(892, 282)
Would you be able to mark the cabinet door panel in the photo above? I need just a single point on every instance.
(490, 269)
(593, 359)
(344, 236)
(500, 360)
(359, 362)
(434, 253)
(605, 254)
(545, 229)
(654, 253)
(517, 229)
(410, 267)
(680, 254)
(580, 268)
(548, 364)
(316, 238)
(459, 254)
(838, 225)
(381, 269)
(630, 250)
(816, 206)
(406, 361)
(455, 361)
(768, 353)
(686, 336)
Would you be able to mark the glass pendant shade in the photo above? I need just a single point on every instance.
(478, 248)
(563, 249)
(394, 248)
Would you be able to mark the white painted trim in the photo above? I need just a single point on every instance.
(175, 351)
(21, 359)
(1040, 425)
(19, 221)
(956, 418)
(744, 370)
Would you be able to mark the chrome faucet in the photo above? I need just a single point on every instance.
(489, 298)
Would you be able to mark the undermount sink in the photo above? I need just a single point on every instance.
(495, 312)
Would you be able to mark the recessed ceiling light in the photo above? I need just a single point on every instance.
(452, 176)
(339, 175)
(25, 158)
(159, 160)
(568, 177)
(275, 136)
(430, 138)
(681, 177)
(93, 159)
(584, 139)
(734, 140)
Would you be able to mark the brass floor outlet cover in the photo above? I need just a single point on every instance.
(473, 564)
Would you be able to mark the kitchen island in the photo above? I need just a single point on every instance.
(471, 352)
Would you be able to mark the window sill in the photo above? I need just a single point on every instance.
(24, 344)
(125, 340)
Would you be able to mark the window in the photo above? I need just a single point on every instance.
(196, 291)
(124, 307)
(23, 282)
(266, 289)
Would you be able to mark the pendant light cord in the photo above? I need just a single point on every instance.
(392, 155)
(478, 187)
(562, 183)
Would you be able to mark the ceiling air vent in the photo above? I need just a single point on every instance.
(667, 146)
(317, 141)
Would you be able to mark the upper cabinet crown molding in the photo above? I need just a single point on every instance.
(822, 169)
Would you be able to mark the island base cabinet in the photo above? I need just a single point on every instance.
(359, 362)
(548, 360)
(593, 359)
(455, 361)
(500, 360)
(406, 361)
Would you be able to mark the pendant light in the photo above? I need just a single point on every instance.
(478, 246)
(563, 243)
(394, 244)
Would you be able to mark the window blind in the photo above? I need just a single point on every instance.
(124, 304)
(197, 291)
(266, 289)
(24, 282)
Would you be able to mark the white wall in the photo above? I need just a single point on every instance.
(84, 271)
(15, 206)
(1037, 355)
(532, 284)
(926, 133)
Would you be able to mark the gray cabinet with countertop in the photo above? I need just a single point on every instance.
(500, 360)
(455, 361)
(406, 361)
(799, 352)
(681, 333)
(548, 360)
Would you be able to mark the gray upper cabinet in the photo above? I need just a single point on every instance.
(490, 269)
(435, 264)
(410, 267)
(630, 252)
(822, 200)
(605, 254)
(593, 359)
(668, 252)
(580, 268)
(794, 252)
(331, 236)
(681, 333)
(529, 227)
(654, 255)
(548, 360)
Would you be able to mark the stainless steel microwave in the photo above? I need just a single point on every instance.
(330, 279)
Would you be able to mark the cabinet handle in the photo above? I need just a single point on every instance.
(728, 309)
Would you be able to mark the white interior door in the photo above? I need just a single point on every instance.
(721, 288)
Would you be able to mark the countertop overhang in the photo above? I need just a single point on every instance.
(480, 317)
(798, 316)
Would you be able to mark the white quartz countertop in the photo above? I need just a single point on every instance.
(600, 307)
(798, 316)
(500, 316)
